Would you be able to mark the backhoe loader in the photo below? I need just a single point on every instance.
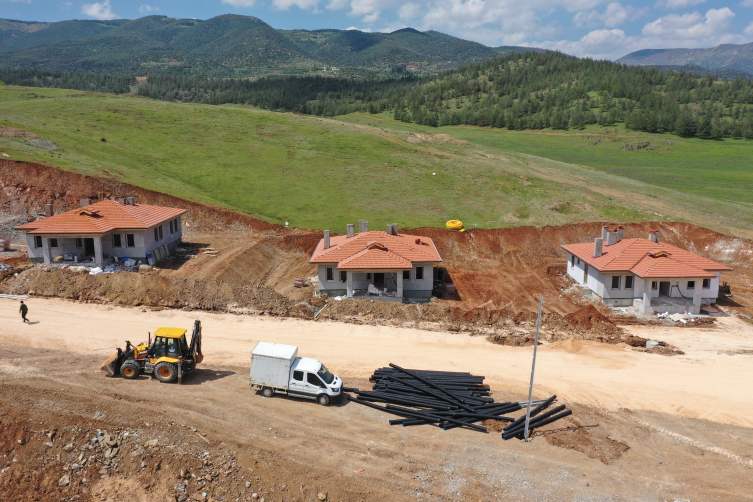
(168, 357)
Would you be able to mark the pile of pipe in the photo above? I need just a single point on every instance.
(517, 428)
(448, 399)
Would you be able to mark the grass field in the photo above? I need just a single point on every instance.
(716, 168)
(320, 173)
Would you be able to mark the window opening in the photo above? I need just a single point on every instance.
(330, 274)
(130, 241)
(116, 240)
(706, 283)
(419, 273)
(629, 282)
(615, 282)
(53, 243)
(691, 285)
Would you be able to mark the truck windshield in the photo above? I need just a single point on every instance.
(325, 375)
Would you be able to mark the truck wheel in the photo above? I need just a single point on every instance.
(166, 372)
(130, 370)
(323, 399)
(267, 392)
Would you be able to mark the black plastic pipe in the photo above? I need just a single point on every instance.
(534, 412)
(427, 382)
(533, 421)
(541, 423)
(434, 418)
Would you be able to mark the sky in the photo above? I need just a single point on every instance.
(602, 29)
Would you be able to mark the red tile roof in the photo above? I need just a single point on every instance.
(376, 250)
(646, 259)
(102, 217)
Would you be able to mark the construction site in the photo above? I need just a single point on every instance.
(655, 400)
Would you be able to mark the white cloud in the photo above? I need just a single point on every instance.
(677, 4)
(148, 8)
(747, 3)
(353, 28)
(614, 15)
(410, 10)
(239, 3)
(691, 26)
(287, 4)
(102, 11)
(749, 29)
(66, 5)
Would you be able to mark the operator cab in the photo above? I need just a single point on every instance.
(169, 342)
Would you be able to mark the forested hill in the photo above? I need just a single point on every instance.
(518, 91)
(228, 46)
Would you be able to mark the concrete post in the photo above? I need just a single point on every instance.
(349, 283)
(697, 294)
(646, 296)
(399, 283)
(48, 210)
(98, 255)
(46, 251)
(351, 230)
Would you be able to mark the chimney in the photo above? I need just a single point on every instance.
(598, 247)
(131, 201)
(653, 236)
(113, 198)
(326, 239)
(612, 238)
(620, 232)
(84, 202)
(351, 230)
(394, 229)
(365, 226)
(389, 229)
(48, 210)
(360, 226)
(122, 200)
(604, 233)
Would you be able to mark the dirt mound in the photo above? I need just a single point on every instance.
(152, 289)
(588, 318)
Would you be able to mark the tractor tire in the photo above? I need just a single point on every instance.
(166, 372)
(267, 392)
(323, 399)
(130, 370)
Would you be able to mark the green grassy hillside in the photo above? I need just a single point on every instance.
(322, 173)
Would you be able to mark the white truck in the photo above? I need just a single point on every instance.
(275, 368)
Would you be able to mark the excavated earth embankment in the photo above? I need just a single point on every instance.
(500, 274)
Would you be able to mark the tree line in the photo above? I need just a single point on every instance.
(96, 82)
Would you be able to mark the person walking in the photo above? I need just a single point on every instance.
(24, 310)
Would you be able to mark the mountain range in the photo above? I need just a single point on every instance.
(725, 56)
(227, 45)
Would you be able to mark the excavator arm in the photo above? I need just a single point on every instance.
(195, 348)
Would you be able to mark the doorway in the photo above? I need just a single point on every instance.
(664, 288)
(585, 273)
(88, 247)
(379, 280)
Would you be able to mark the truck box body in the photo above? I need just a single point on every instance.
(270, 365)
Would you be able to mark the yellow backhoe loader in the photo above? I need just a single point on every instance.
(168, 358)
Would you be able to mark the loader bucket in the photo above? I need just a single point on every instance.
(110, 366)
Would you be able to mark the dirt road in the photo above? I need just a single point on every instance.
(695, 385)
(235, 443)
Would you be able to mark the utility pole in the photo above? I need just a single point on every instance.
(533, 371)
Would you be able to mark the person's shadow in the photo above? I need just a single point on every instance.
(33, 322)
